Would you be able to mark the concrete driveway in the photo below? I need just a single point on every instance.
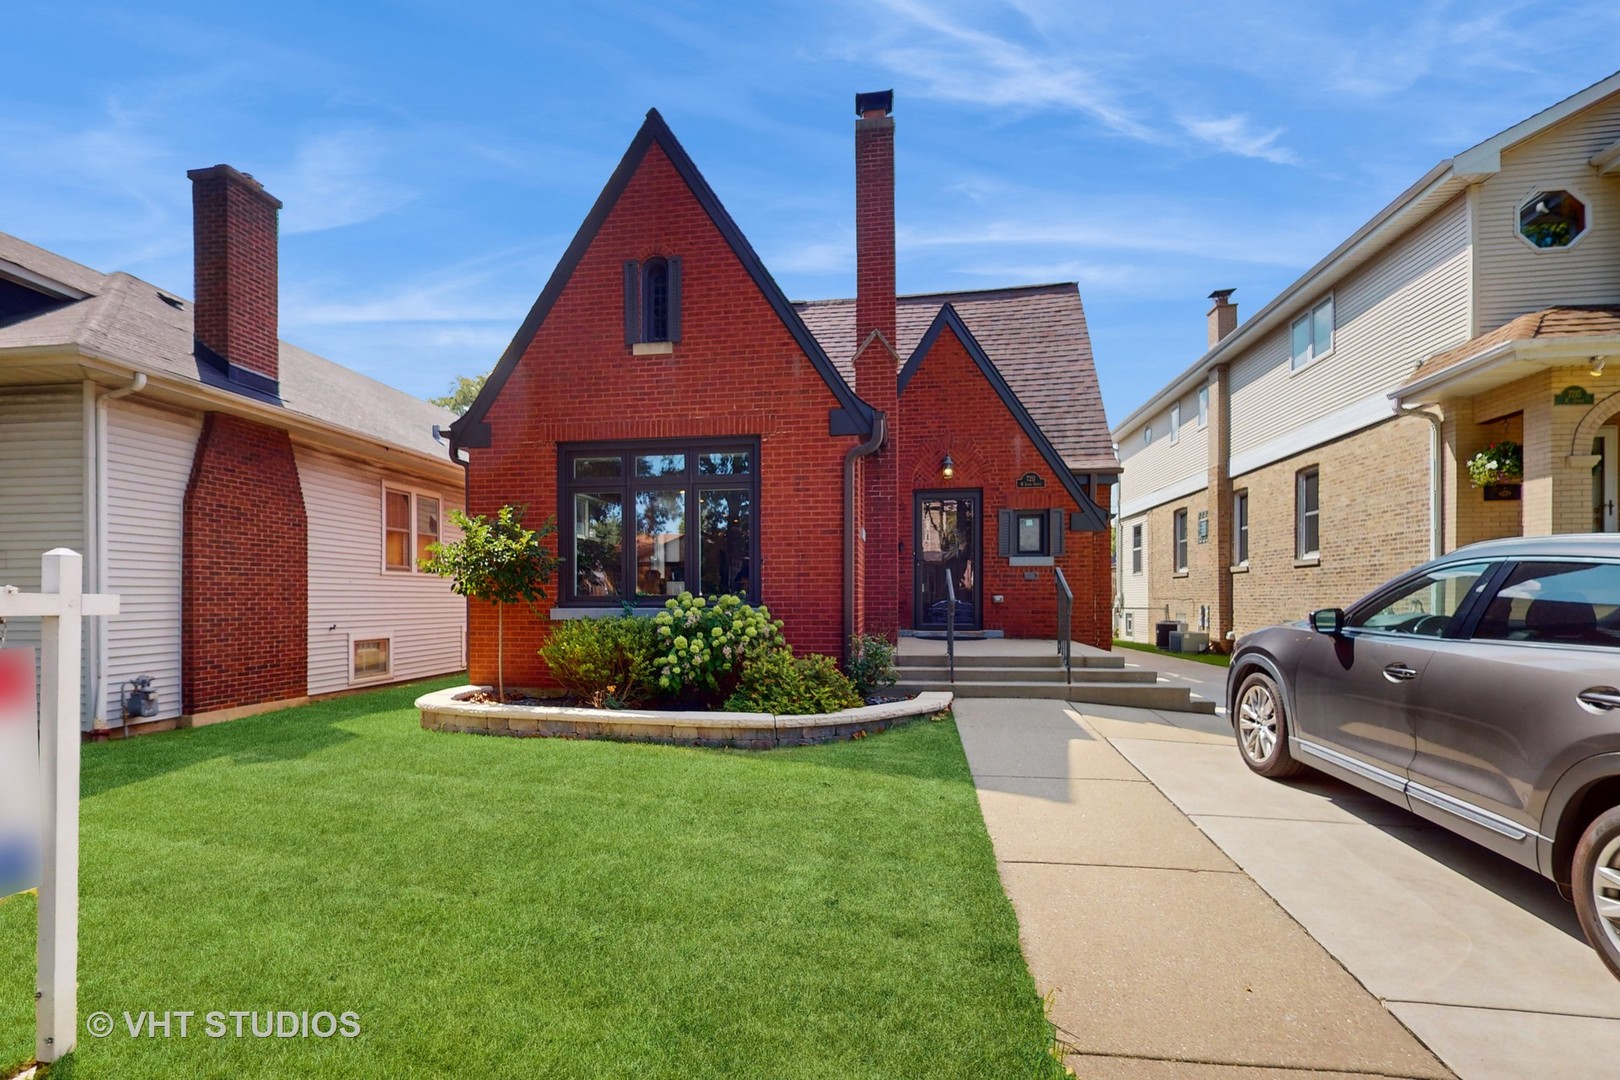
(1190, 919)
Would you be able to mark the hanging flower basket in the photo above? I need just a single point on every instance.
(1499, 463)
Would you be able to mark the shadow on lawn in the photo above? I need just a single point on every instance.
(267, 738)
(926, 748)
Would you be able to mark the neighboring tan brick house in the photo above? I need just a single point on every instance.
(1322, 446)
(258, 509)
(836, 460)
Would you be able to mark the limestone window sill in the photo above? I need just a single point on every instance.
(1240, 568)
(1030, 560)
(1179, 574)
(1314, 560)
(652, 348)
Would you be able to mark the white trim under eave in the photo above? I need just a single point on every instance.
(1462, 367)
(1363, 414)
(1550, 352)
(1187, 485)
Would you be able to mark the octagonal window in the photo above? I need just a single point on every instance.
(1552, 219)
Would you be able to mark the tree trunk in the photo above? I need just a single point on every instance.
(500, 651)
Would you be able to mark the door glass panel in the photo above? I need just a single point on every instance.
(1425, 606)
(948, 547)
(1560, 603)
(598, 543)
(660, 464)
(726, 532)
(660, 542)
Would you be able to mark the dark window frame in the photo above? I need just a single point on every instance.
(627, 485)
(1045, 518)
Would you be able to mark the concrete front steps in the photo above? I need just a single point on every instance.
(1098, 680)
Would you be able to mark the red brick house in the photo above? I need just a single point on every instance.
(833, 459)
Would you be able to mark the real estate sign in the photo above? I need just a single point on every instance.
(19, 772)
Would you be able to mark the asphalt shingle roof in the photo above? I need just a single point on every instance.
(133, 322)
(1035, 335)
(1556, 322)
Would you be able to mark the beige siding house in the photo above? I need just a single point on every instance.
(1482, 304)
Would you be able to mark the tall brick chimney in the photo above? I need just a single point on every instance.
(234, 237)
(1222, 317)
(877, 363)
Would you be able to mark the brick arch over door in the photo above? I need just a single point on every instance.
(1595, 417)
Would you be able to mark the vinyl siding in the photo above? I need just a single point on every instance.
(1133, 588)
(350, 596)
(1148, 467)
(149, 455)
(1515, 278)
(1406, 304)
(42, 488)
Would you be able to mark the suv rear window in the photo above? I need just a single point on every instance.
(1557, 603)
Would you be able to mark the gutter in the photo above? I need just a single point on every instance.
(98, 677)
(880, 426)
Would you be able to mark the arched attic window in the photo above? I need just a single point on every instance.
(652, 301)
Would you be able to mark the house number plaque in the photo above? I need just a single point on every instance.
(1030, 479)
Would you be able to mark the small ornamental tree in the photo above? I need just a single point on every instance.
(499, 561)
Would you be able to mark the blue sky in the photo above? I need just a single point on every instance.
(435, 158)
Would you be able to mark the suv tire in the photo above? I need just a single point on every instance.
(1595, 880)
(1260, 720)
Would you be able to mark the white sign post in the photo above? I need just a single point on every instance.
(60, 605)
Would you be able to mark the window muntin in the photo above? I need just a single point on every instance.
(1240, 528)
(1029, 536)
(1552, 219)
(1136, 549)
(672, 493)
(1556, 603)
(1307, 514)
(1179, 534)
(1424, 606)
(1310, 336)
(396, 529)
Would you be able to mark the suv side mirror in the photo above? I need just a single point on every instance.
(1328, 621)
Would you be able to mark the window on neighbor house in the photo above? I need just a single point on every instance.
(1311, 335)
(1552, 219)
(410, 523)
(1203, 407)
(652, 301)
(1180, 541)
(1136, 549)
(1175, 423)
(372, 659)
(1240, 528)
(630, 514)
(1307, 514)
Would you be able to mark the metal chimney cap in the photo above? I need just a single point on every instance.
(1220, 295)
(876, 101)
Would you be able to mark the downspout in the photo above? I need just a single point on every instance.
(880, 424)
(98, 720)
(1437, 485)
(448, 437)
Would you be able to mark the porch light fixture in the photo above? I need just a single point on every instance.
(1596, 369)
(947, 468)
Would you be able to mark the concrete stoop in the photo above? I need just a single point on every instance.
(1098, 680)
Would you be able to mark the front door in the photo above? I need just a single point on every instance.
(1606, 480)
(945, 541)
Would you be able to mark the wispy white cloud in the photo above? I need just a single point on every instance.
(340, 178)
(1236, 134)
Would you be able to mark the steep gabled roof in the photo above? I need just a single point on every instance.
(949, 319)
(134, 324)
(856, 415)
(1035, 336)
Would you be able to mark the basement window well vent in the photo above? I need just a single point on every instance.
(372, 658)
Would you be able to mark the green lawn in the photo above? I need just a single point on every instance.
(538, 907)
(1217, 659)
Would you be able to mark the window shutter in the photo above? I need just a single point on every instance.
(1009, 525)
(674, 299)
(632, 302)
(1054, 525)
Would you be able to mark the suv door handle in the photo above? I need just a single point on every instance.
(1600, 697)
(1399, 672)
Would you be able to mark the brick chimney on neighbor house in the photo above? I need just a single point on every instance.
(234, 238)
(877, 362)
(1222, 317)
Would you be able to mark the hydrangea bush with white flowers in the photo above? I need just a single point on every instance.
(1500, 462)
(704, 641)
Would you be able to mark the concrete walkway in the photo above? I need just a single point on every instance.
(1279, 928)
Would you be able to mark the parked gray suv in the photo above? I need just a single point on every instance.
(1480, 690)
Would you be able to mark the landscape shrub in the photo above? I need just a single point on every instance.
(871, 664)
(779, 682)
(704, 643)
(606, 663)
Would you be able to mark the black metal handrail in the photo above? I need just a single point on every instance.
(1065, 614)
(950, 624)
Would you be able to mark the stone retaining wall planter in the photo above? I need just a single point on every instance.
(450, 710)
